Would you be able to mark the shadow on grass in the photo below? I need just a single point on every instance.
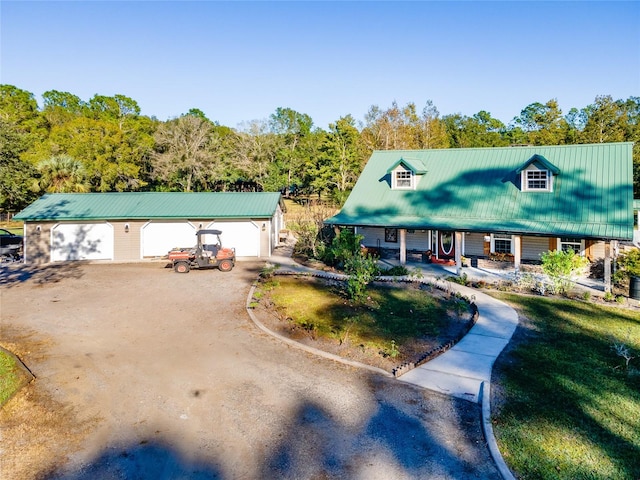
(12, 274)
(563, 384)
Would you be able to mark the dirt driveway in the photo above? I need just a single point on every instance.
(147, 374)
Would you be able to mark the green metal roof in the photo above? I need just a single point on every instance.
(478, 189)
(539, 160)
(416, 165)
(148, 205)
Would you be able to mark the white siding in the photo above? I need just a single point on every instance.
(533, 247)
(418, 240)
(474, 244)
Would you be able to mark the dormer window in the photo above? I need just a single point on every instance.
(537, 180)
(405, 174)
(403, 178)
(536, 174)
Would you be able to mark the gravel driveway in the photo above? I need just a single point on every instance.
(148, 374)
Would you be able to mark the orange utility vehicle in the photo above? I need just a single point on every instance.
(204, 255)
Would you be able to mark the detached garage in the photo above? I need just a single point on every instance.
(139, 225)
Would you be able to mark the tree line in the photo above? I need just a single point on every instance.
(106, 145)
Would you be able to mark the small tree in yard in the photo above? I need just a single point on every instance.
(345, 252)
(559, 265)
(362, 269)
(343, 248)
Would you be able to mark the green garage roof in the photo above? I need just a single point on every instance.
(148, 205)
(479, 189)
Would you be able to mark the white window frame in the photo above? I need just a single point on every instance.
(501, 237)
(406, 183)
(548, 180)
(562, 241)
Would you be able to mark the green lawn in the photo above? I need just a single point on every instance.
(12, 377)
(572, 407)
(13, 227)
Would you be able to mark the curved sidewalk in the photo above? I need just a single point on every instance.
(461, 370)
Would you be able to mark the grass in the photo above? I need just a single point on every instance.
(390, 317)
(13, 227)
(571, 405)
(12, 377)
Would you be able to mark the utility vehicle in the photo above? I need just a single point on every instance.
(208, 253)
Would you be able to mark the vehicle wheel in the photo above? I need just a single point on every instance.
(181, 267)
(225, 265)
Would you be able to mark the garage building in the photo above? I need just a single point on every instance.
(137, 225)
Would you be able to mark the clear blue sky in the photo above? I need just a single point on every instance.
(239, 61)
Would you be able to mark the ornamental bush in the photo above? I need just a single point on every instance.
(559, 265)
(628, 265)
(361, 269)
(344, 247)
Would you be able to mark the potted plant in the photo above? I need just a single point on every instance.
(629, 266)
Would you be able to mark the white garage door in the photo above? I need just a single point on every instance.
(82, 241)
(243, 236)
(160, 237)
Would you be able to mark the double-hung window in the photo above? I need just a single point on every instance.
(574, 244)
(537, 180)
(403, 179)
(501, 243)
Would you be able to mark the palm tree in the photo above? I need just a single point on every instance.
(62, 174)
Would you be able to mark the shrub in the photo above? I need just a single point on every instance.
(395, 271)
(344, 247)
(628, 265)
(361, 270)
(558, 265)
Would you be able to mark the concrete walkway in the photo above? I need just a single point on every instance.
(461, 370)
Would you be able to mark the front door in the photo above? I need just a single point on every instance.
(446, 247)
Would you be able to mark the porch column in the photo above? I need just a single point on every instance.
(607, 266)
(458, 251)
(403, 245)
(517, 251)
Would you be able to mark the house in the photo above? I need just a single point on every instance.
(137, 225)
(514, 202)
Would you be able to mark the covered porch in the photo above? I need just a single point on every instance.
(486, 252)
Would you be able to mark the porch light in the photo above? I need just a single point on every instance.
(487, 238)
(38, 230)
(126, 228)
(264, 226)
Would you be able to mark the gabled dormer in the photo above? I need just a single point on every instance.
(405, 174)
(536, 174)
